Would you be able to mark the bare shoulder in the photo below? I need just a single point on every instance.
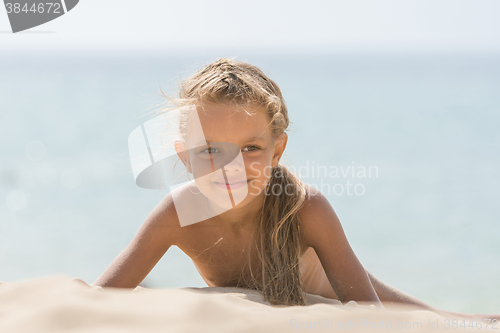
(314, 204)
(316, 216)
(163, 219)
(166, 209)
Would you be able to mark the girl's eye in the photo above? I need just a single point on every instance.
(251, 148)
(210, 150)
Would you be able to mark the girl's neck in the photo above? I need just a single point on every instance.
(244, 217)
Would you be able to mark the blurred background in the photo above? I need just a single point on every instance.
(411, 89)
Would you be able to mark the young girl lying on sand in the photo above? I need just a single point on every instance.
(278, 235)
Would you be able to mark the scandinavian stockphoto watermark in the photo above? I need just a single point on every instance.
(338, 180)
(26, 14)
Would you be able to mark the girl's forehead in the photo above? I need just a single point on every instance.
(226, 123)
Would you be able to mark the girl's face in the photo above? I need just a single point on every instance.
(234, 165)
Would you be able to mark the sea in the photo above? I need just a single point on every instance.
(405, 147)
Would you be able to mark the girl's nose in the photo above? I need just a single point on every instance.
(234, 166)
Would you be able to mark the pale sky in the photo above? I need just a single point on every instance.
(266, 25)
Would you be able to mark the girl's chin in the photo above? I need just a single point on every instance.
(219, 193)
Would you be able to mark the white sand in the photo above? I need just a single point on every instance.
(58, 304)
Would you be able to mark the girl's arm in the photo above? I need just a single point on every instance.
(154, 238)
(321, 230)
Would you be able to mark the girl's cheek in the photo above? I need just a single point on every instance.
(256, 167)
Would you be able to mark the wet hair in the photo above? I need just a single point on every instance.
(277, 232)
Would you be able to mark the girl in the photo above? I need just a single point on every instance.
(277, 235)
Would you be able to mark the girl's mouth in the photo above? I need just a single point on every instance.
(231, 186)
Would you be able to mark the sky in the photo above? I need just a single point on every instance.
(266, 26)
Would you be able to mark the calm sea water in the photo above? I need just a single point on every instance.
(425, 220)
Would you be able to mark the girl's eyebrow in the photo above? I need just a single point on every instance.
(252, 139)
(255, 138)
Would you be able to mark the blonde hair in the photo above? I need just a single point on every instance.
(277, 232)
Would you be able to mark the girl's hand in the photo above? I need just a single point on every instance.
(85, 283)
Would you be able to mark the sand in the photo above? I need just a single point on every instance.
(59, 304)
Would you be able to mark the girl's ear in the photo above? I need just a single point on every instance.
(279, 148)
(180, 149)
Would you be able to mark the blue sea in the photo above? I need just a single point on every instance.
(404, 146)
